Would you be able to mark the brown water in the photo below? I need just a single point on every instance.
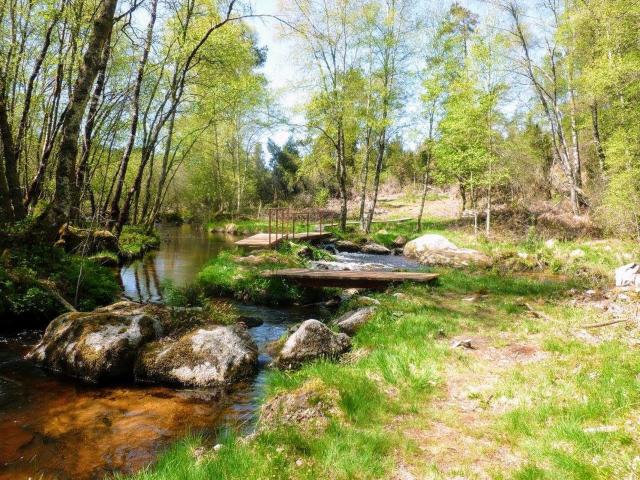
(51, 427)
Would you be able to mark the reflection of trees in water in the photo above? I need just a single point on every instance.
(136, 278)
(155, 277)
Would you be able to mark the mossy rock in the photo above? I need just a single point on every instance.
(210, 356)
(98, 346)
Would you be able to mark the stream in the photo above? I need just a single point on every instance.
(52, 427)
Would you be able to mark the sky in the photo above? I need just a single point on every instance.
(280, 69)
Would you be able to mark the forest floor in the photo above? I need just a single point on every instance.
(528, 370)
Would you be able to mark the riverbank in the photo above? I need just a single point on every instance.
(501, 371)
(39, 281)
(482, 375)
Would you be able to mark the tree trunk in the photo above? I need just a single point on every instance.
(425, 189)
(342, 177)
(596, 137)
(135, 113)
(10, 160)
(60, 209)
(382, 142)
(94, 105)
(6, 213)
(364, 176)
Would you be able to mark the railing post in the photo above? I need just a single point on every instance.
(307, 224)
(293, 225)
(320, 215)
(270, 227)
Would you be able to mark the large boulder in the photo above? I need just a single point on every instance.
(210, 356)
(628, 275)
(312, 340)
(350, 322)
(375, 249)
(429, 242)
(97, 346)
(432, 249)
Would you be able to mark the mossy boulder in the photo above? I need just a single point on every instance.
(311, 341)
(97, 346)
(210, 356)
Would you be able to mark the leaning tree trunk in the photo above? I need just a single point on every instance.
(425, 189)
(60, 209)
(342, 177)
(382, 142)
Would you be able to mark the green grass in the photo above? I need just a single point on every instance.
(224, 276)
(532, 418)
(399, 367)
(136, 241)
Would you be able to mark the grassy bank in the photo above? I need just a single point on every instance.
(535, 396)
(32, 277)
(135, 241)
(240, 277)
(538, 395)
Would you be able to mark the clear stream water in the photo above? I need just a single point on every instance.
(52, 427)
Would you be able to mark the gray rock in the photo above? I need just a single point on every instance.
(349, 293)
(628, 275)
(231, 228)
(211, 356)
(311, 341)
(400, 241)
(250, 322)
(97, 346)
(375, 249)
(367, 301)
(347, 246)
(350, 322)
(432, 249)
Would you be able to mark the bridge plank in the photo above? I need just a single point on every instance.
(339, 278)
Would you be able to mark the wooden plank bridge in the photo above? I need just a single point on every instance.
(286, 224)
(377, 280)
(264, 240)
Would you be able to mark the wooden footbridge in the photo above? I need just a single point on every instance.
(349, 279)
(284, 224)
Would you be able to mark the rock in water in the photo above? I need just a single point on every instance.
(375, 249)
(231, 228)
(97, 346)
(628, 275)
(347, 246)
(432, 249)
(312, 340)
(350, 322)
(212, 356)
(400, 241)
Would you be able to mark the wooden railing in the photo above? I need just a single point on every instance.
(282, 221)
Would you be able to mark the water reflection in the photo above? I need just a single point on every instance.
(184, 250)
